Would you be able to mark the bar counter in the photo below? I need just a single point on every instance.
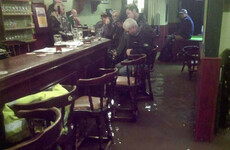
(28, 74)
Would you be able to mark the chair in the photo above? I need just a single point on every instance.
(191, 56)
(151, 57)
(61, 102)
(13, 46)
(95, 102)
(150, 63)
(45, 139)
(132, 82)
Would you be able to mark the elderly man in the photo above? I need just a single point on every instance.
(73, 19)
(140, 37)
(133, 12)
(140, 40)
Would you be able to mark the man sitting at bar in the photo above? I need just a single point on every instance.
(106, 30)
(140, 40)
(74, 21)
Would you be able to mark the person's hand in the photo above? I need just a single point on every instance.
(128, 51)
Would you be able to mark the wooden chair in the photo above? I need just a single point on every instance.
(95, 103)
(191, 56)
(150, 67)
(132, 82)
(46, 138)
(59, 102)
(14, 46)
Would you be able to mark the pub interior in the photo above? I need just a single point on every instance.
(114, 74)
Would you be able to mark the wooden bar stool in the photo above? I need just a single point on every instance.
(65, 104)
(94, 103)
(131, 84)
(191, 56)
(14, 46)
(48, 137)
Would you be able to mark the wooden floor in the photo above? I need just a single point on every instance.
(168, 122)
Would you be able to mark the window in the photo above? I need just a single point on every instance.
(139, 3)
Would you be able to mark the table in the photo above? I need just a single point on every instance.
(28, 74)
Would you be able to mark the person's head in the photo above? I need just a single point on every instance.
(130, 26)
(132, 11)
(183, 13)
(74, 12)
(62, 8)
(115, 15)
(104, 16)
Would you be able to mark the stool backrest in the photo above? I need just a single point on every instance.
(101, 86)
(59, 102)
(135, 67)
(48, 136)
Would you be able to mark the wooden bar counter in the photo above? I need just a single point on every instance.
(28, 74)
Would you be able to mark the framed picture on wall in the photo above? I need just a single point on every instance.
(40, 18)
(104, 1)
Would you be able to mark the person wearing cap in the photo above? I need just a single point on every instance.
(186, 26)
(185, 31)
(133, 12)
(106, 30)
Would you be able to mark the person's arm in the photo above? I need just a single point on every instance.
(144, 42)
(107, 29)
(54, 25)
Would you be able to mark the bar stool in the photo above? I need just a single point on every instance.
(14, 46)
(94, 103)
(191, 56)
(65, 104)
(131, 83)
(48, 137)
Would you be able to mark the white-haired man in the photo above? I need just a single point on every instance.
(140, 40)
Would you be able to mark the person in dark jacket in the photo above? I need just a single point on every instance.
(51, 7)
(57, 19)
(185, 31)
(133, 12)
(106, 29)
(185, 27)
(140, 40)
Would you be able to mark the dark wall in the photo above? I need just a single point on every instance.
(196, 12)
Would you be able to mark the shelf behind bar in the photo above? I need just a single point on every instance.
(18, 14)
(24, 28)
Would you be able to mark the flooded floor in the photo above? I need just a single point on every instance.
(168, 122)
